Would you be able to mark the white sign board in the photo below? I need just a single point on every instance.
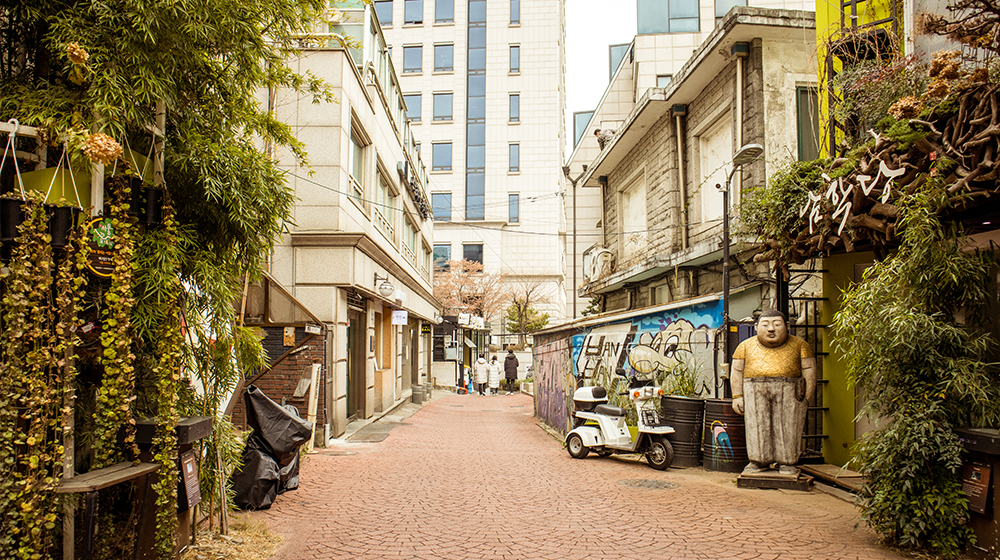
(400, 316)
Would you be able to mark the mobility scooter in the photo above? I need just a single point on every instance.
(601, 428)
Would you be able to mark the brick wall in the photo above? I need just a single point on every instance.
(280, 381)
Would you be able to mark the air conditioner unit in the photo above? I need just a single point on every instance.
(403, 168)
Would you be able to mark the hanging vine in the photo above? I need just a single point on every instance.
(38, 332)
(116, 394)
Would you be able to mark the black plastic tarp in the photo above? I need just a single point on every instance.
(271, 453)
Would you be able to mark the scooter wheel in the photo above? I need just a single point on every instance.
(575, 446)
(660, 453)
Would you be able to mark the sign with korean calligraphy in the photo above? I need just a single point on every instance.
(840, 194)
(100, 261)
(400, 316)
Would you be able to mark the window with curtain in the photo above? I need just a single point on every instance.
(413, 11)
(444, 58)
(443, 103)
(441, 156)
(412, 101)
(444, 11)
(413, 59)
(383, 9)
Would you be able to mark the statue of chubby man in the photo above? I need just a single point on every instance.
(773, 378)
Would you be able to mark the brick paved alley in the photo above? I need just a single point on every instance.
(470, 477)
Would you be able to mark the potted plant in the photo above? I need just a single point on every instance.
(683, 409)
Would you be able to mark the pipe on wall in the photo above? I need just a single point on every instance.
(685, 231)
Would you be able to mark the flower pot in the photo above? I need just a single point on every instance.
(153, 206)
(684, 415)
(62, 220)
(135, 202)
(11, 216)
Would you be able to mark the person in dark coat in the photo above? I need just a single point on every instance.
(510, 370)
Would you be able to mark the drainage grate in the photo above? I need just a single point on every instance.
(649, 484)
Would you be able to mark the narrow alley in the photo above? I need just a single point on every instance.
(473, 477)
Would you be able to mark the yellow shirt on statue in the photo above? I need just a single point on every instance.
(783, 361)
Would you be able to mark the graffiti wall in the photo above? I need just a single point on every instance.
(647, 345)
(554, 384)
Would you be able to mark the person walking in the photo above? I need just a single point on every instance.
(494, 380)
(482, 371)
(510, 370)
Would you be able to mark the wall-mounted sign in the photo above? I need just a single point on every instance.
(477, 322)
(102, 247)
(463, 319)
(400, 316)
(425, 328)
(289, 336)
(313, 329)
(188, 490)
(976, 485)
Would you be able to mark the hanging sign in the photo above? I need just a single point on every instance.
(463, 319)
(425, 328)
(400, 316)
(477, 322)
(102, 247)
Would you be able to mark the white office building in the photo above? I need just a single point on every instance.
(483, 82)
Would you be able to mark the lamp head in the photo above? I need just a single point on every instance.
(386, 289)
(747, 154)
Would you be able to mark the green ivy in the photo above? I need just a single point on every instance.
(922, 372)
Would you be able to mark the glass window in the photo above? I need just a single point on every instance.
(444, 11)
(441, 157)
(477, 59)
(477, 84)
(413, 11)
(807, 109)
(357, 165)
(515, 58)
(477, 37)
(442, 106)
(412, 101)
(475, 195)
(444, 56)
(477, 11)
(722, 7)
(476, 134)
(477, 108)
(476, 157)
(383, 9)
(513, 208)
(663, 80)
(580, 121)
(413, 59)
(514, 114)
(442, 254)
(441, 206)
(514, 157)
(515, 12)
(667, 16)
(473, 252)
(615, 55)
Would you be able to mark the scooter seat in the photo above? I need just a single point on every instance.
(608, 410)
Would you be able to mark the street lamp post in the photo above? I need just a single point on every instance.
(745, 155)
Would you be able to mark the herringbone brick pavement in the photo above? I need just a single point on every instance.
(470, 477)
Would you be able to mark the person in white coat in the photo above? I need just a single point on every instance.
(494, 380)
(482, 371)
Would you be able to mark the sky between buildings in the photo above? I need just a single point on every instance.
(592, 25)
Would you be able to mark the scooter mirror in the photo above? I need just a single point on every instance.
(621, 372)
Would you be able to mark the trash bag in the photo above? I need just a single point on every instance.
(282, 430)
(255, 484)
(288, 476)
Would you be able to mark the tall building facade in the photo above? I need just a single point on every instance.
(484, 86)
(669, 32)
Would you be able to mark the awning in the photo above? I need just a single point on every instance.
(469, 343)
